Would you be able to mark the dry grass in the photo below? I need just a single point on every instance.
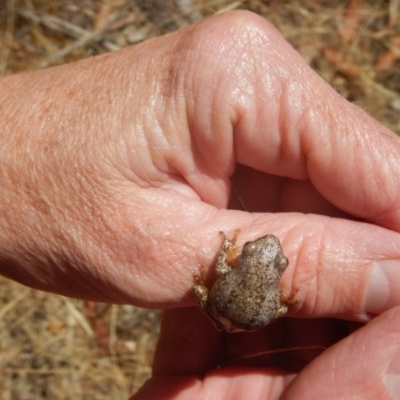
(57, 348)
(52, 347)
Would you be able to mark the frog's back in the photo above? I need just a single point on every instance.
(247, 300)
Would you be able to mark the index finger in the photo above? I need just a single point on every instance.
(273, 113)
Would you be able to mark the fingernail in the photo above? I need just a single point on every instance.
(383, 289)
(392, 377)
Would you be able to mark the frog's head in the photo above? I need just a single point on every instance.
(267, 251)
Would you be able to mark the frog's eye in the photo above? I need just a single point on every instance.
(283, 262)
(249, 247)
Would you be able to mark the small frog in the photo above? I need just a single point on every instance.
(245, 297)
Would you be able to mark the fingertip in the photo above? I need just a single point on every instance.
(383, 289)
(366, 364)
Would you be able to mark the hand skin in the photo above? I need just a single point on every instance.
(115, 175)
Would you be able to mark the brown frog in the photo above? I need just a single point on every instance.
(245, 297)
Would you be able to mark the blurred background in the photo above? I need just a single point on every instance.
(56, 348)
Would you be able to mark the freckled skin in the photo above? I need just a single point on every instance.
(245, 297)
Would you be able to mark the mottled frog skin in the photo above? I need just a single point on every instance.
(245, 296)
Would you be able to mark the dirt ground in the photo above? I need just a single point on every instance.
(56, 348)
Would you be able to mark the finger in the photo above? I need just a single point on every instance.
(232, 383)
(288, 344)
(364, 365)
(188, 344)
(341, 268)
(188, 348)
(285, 120)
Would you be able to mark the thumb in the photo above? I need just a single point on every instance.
(364, 365)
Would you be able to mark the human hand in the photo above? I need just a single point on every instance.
(116, 173)
(194, 361)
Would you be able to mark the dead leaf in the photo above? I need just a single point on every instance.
(350, 22)
(385, 61)
(345, 66)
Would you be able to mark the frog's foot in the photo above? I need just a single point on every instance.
(285, 301)
(200, 276)
(199, 288)
(289, 300)
(201, 295)
(228, 244)
(229, 253)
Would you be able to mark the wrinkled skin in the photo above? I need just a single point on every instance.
(115, 175)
